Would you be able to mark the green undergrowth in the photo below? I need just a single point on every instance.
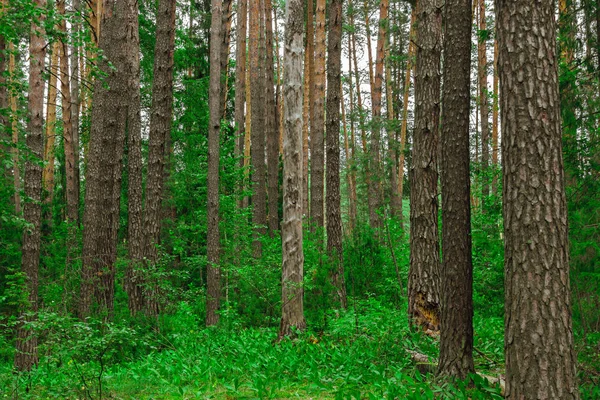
(362, 355)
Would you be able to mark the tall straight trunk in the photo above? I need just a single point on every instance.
(292, 291)
(213, 292)
(395, 205)
(309, 94)
(423, 277)
(334, 98)
(495, 141)
(226, 18)
(161, 114)
(350, 176)
(12, 102)
(456, 331)
(540, 355)
(48, 171)
(405, 96)
(376, 95)
(271, 117)
(26, 355)
(369, 45)
(75, 103)
(109, 122)
(240, 78)
(65, 92)
(483, 101)
(3, 81)
(248, 120)
(259, 195)
(317, 123)
(135, 230)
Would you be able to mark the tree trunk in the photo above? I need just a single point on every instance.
(404, 125)
(14, 129)
(395, 204)
(495, 142)
(292, 291)
(350, 176)
(226, 17)
(109, 122)
(483, 102)
(540, 357)
(309, 73)
(50, 128)
(317, 124)
(334, 97)
(259, 213)
(26, 353)
(65, 91)
(271, 117)
(423, 278)
(456, 331)
(75, 104)
(213, 292)
(240, 79)
(376, 94)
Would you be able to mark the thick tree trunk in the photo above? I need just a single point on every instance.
(334, 98)
(317, 123)
(50, 128)
(213, 292)
(271, 117)
(65, 91)
(104, 164)
(259, 189)
(483, 102)
(423, 278)
(540, 357)
(456, 331)
(292, 291)
(26, 353)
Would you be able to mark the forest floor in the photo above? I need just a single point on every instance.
(363, 354)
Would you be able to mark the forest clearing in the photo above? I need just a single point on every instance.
(312, 199)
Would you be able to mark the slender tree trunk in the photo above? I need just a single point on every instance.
(26, 355)
(48, 171)
(292, 291)
(375, 190)
(540, 356)
(65, 92)
(259, 213)
(3, 81)
(309, 73)
(75, 104)
(334, 98)
(456, 332)
(350, 176)
(395, 205)
(226, 17)
(317, 123)
(404, 125)
(483, 102)
(213, 293)
(423, 278)
(240, 79)
(12, 102)
(495, 142)
(271, 117)
(369, 45)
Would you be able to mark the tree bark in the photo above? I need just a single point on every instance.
(65, 92)
(317, 124)
(540, 357)
(349, 144)
(226, 17)
(109, 122)
(423, 278)
(213, 293)
(26, 355)
(456, 331)
(271, 117)
(259, 196)
(75, 104)
(50, 128)
(495, 142)
(240, 79)
(292, 291)
(334, 98)
(12, 102)
(483, 102)
(309, 73)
